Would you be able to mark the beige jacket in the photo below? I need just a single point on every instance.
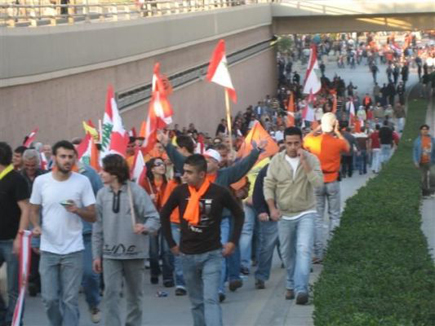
(292, 196)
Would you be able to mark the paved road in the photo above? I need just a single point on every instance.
(247, 306)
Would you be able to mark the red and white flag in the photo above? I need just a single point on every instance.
(44, 161)
(30, 138)
(218, 70)
(139, 170)
(88, 153)
(312, 78)
(308, 111)
(24, 271)
(160, 110)
(114, 137)
(351, 109)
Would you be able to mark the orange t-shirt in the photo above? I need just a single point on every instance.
(328, 150)
(426, 145)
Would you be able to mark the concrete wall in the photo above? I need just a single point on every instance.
(35, 54)
(333, 24)
(291, 8)
(59, 105)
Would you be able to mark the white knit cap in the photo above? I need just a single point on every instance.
(214, 154)
(328, 122)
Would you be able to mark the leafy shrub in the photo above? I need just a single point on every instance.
(378, 270)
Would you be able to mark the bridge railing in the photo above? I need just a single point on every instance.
(35, 13)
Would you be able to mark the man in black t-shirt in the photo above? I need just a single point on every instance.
(14, 208)
(200, 204)
(386, 140)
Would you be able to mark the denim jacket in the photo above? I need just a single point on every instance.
(417, 151)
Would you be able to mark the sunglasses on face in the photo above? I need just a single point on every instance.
(158, 163)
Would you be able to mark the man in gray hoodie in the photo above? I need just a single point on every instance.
(125, 213)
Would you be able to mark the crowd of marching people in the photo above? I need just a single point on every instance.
(203, 214)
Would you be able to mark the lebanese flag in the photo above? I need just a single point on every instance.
(88, 152)
(291, 111)
(160, 110)
(138, 171)
(256, 134)
(218, 70)
(30, 138)
(312, 78)
(107, 123)
(115, 137)
(308, 111)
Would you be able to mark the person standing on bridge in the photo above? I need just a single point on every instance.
(200, 204)
(328, 147)
(424, 157)
(125, 214)
(289, 192)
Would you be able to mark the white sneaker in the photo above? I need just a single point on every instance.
(95, 315)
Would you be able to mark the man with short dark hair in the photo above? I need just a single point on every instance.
(14, 209)
(289, 188)
(66, 198)
(17, 158)
(424, 157)
(200, 204)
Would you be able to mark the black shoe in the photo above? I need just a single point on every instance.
(33, 290)
(222, 297)
(168, 284)
(180, 291)
(302, 298)
(234, 285)
(259, 285)
(289, 294)
(154, 280)
(244, 270)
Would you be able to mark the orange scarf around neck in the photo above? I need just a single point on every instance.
(191, 214)
(211, 177)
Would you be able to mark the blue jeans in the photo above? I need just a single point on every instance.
(245, 242)
(160, 248)
(268, 242)
(60, 282)
(328, 193)
(179, 279)
(91, 280)
(296, 238)
(11, 260)
(385, 153)
(202, 273)
(362, 162)
(231, 264)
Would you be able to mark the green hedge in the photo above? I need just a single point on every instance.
(378, 270)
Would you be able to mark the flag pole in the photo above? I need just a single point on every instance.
(228, 109)
(100, 127)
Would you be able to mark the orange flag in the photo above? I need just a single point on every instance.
(256, 134)
(143, 129)
(291, 111)
(357, 125)
(334, 104)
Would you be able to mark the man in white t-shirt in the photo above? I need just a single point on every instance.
(289, 192)
(66, 198)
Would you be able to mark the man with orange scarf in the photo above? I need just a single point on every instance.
(200, 204)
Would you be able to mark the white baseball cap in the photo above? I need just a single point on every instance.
(214, 154)
(328, 121)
